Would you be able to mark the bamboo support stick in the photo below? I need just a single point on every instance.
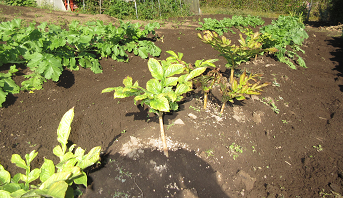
(163, 137)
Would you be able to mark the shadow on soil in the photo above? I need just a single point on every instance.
(337, 56)
(151, 174)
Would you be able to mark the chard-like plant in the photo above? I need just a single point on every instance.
(235, 54)
(53, 183)
(162, 92)
(238, 90)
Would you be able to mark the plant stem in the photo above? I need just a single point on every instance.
(163, 137)
(205, 100)
(222, 109)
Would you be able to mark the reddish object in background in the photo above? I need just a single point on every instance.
(72, 5)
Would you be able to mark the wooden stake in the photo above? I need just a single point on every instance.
(205, 100)
(222, 109)
(163, 137)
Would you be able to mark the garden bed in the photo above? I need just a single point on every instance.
(296, 152)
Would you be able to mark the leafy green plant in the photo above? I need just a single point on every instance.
(209, 152)
(283, 32)
(238, 90)
(47, 49)
(224, 25)
(318, 148)
(52, 183)
(235, 54)
(162, 92)
(28, 3)
(271, 104)
(235, 149)
(7, 85)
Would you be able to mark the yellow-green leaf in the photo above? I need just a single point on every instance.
(18, 161)
(47, 169)
(155, 69)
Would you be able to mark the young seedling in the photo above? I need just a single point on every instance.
(162, 92)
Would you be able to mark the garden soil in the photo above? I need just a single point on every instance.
(293, 149)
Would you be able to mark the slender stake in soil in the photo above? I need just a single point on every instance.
(165, 149)
(222, 109)
(205, 100)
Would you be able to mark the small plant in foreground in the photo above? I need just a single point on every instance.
(271, 104)
(162, 92)
(235, 149)
(318, 148)
(209, 152)
(53, 183)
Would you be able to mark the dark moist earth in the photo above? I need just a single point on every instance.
(294, 153)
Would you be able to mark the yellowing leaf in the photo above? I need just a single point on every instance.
(155, 69)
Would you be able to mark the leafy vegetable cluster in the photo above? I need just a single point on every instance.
(223, 26)
(283, 32)
(55, 180)
(46, 49)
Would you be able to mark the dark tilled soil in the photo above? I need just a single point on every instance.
(295, 153)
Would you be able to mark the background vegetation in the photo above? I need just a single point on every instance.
(321, 10)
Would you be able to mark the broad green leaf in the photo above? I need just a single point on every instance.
(174, 106)
(5, 177)
(171, 95)
(18, 161)
(121, 92)
(30, 157)
(173, 69)
(142, 52)
(33, 175)
(2, 96)
(56, 190)
(11, 187)
(181, 89)
(58, 151)
(91, 158)
(171, 81)
(140, 97)
(109, 89)
(75, 171)
(173, 54)
(79, 153)
(81, 179)
(5, 194)
(60, 176)
(17, 193)
(67, 156)
(196, 72)
(160, 103)
(127, 81)
(155, 69)
(16, 178)
(301, 61)
(64, 128)
(47, 169)
(154, 86)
